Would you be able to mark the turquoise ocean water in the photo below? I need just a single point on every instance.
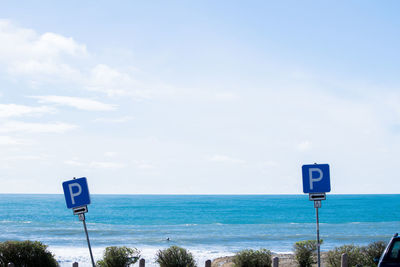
(208, 225)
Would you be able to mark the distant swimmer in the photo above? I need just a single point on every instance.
(167, 238)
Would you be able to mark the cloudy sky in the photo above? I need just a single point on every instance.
(199, 97)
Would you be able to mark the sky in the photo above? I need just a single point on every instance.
(199, 97)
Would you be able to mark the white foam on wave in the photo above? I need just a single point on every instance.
(68, 255)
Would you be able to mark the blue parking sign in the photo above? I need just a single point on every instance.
(76, 193)
(316, 178)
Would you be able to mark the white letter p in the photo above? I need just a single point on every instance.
(310, 172)
(73, 195)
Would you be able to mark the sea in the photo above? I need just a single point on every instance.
(209, 226)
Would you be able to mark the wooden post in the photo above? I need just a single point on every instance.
(142, 263)
(75, 264)
(344, 260)
(275, 262)
(208, 263)
(10, 264)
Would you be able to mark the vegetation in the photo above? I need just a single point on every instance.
(26, 254)
(305, 252)
(353, 252)
(175, 257)
(372, 251)
(253, 258)
(119, 257)
(361, 256)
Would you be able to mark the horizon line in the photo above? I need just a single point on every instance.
(206, 194)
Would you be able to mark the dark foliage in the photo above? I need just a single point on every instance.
(26, 254)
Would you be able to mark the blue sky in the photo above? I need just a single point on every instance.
(194, 97)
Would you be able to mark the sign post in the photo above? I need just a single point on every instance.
(316, 182)
(77, 197)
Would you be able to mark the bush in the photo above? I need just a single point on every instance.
(253, 258)
(119, 257)
(27, 254)
(372, 251)
(354, 254)
(175, 257)
(305, 252)
(362, 256)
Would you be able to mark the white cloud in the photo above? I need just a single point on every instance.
(227, 96)
(225, 159)
(143, 165)
(115, 120)
(27, 44)
(8, 140)
(106, 165)
(73, 163)
(38, 59)
(54, 44)
(94, 164)
(26, 157)
(25, 127)
(53, 59)
(37, 69)
(108, 80)
(270, 163)
(76, 102)
(110, 154)
(304, 146)
(14, 110)
(25, 52)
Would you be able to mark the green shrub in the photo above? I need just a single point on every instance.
(372, 251)
(26, 254)
(253, 258)
(305, 252)
(175, 257)
(354, 254)
(362, 256)
(119, 257)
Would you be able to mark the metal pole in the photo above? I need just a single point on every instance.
(318, 244)
(82, 218)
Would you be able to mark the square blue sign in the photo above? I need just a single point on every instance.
(316, 178)
(76, 193)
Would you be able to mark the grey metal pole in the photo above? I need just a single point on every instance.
(82, 218)
(318, 244)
